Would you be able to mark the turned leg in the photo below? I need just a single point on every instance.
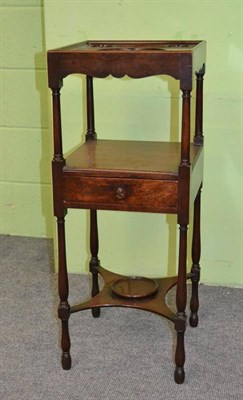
(183, 217)
(180, 323)
(195, 270)
(94, 262)
(94, 241)
(64, 307)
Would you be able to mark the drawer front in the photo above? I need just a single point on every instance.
(120, 194)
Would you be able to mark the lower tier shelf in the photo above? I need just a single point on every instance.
(132, 292)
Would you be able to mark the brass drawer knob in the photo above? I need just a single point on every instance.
(120, 193)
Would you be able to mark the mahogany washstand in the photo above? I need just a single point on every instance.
(157, 177)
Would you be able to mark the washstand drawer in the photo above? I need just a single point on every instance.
(120, 194)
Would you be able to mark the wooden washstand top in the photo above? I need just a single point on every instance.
(137, 59)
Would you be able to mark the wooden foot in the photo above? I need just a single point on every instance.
(179, 375)
(194, 303)
(64, 313)
(66, 360)
(96, 312)
(95, 289)
(180, 326)
(193, 320)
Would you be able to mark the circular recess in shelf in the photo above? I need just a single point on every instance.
(134, 287)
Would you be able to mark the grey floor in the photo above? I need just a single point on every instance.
(125, 354)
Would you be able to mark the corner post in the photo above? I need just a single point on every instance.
(94, 238)
(198, 137)
(60, 212)
(196, 253)
(183, 220)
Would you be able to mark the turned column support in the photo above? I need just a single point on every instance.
(198, 137)
(57, 125)
(91, 134)
(185, 134)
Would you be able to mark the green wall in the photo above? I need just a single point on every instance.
(147, 109)
(25, 139)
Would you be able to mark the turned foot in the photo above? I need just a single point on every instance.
(180, 326)
(194, 304)
(193, 320)
(64, 313)
(179, 375)
(95, 290)
(66, 360)
(96, 312)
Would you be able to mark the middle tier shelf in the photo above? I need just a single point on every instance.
(128, 176)
(129, 159)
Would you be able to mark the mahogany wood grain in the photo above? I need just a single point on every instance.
(128, 158)
(136, 59)
(130, 176)
(156, 304)
(120, 194)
